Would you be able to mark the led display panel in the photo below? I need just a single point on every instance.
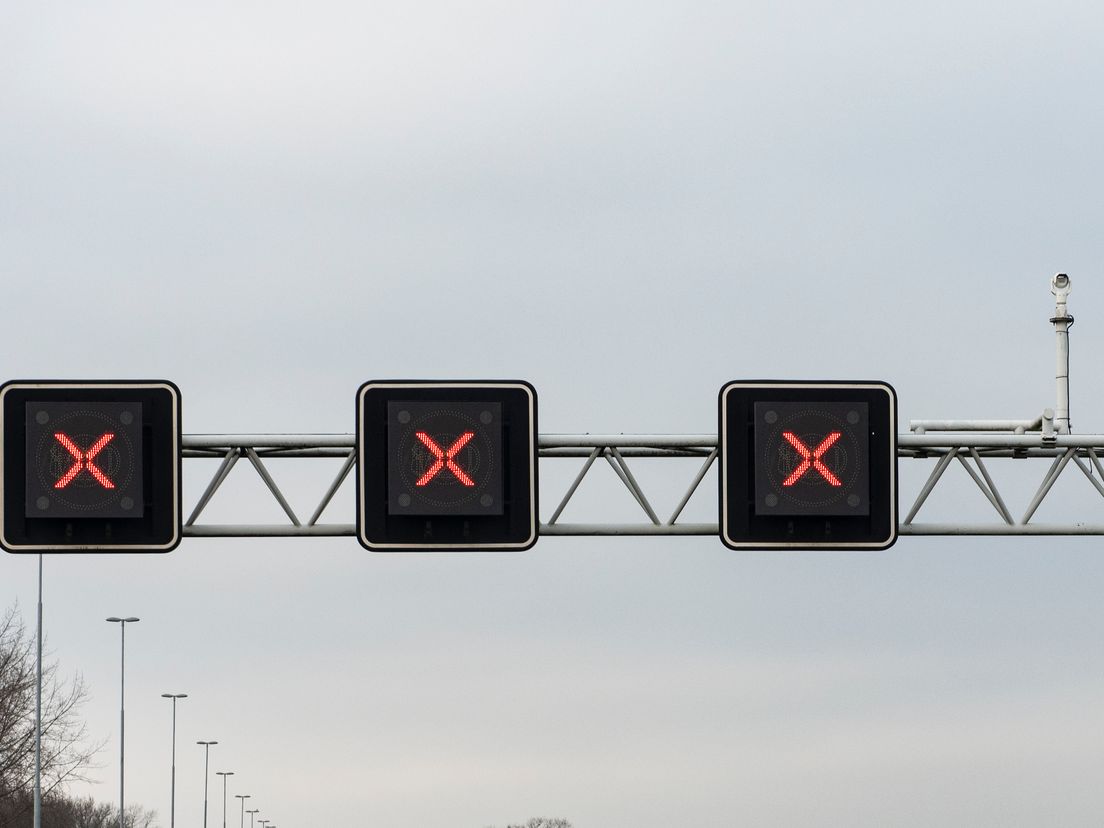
(84, 460)
(811, 459)
(444, 458)
(808, 465)
(446, 466)
(89, 466)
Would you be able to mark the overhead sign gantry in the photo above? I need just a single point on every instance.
(452, 466)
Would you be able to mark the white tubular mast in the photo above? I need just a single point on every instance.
(1060, 287)
(975, 445)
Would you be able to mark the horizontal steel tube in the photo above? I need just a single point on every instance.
(986, 453)
(978, 440)
(277, 530)
(216, 441)
(348, 529)
(274, 452)
(637, 530)
(905, 452)
(634, 529)
(257, 441)
(630, 451)
(619, 440)
(193, 444)
(343, 452)
(1003, 529)
(975, 425)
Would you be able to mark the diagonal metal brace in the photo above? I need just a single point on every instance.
(1048, 482)
(693, 487)
(251, 453)
(986, 485)
(612, 455)
(933, 478)
(350, 461)
(1081, 464)
(228, 461)
(575, 485)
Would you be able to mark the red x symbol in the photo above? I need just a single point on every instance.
(811, 459)
(83, 460)
(444, 458)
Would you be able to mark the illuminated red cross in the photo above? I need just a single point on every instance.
(811, 459)
(82, 460)
(444, 458)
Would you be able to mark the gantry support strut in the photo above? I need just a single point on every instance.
(976, 452)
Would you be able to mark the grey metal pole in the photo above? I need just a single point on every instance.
(206, 775)
(172, 801)
(224, 774)
(242, 797)
(122, 716)
(252, 812)
(122, 622)
(38, 710)
(172, 795)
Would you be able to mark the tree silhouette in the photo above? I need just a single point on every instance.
(66, 752)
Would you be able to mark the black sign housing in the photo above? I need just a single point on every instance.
(89, 466)
(446, 466)
(808, 465)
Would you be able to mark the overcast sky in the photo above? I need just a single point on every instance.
(626, 204)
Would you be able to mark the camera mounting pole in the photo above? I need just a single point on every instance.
(1060, 287)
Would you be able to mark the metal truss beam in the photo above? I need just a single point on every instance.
(974, 451)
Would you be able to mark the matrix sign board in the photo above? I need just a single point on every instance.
(808, 465)
(446, 466)
(89, 466)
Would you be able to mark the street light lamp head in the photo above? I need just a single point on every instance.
(206, 743)
(174, 695)
(114, 619)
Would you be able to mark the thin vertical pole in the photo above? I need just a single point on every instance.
(38, 709)
(1060, 287)
(172, 805)
(206, 760)
(122, 716)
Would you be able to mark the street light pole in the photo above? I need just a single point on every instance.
(38, 709)
(122, 622)
(172, 801)
(206, 758)
(242, 797)
(252, 813)
(224, 774)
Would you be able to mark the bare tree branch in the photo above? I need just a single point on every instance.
(67, 753)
